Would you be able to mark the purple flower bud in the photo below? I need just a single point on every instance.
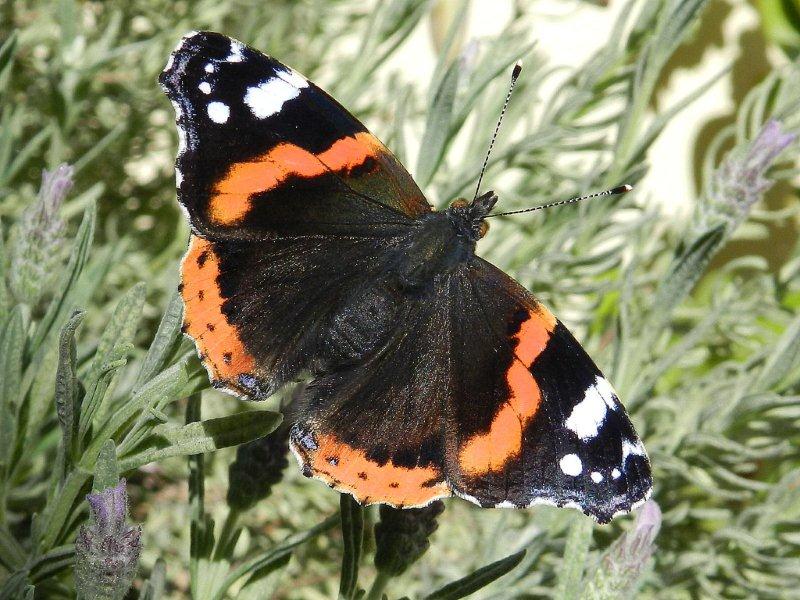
(107, 551)
(624, 562)
(37, 240)
(741, 179)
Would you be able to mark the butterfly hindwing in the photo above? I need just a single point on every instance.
(264, 152)
(481, 392)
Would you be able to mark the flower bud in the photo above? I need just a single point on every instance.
(107, 551)
(741, 180)
(401, 536)
(624, 562)
(37, 240)
(258, 466)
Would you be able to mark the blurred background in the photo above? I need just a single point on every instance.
(686, 291)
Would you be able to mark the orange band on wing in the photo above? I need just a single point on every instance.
(490, 451)
(349, 470)
(217, 340)
(230, 199)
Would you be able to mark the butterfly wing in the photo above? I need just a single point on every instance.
(481, 393)
(264, 152)
(292, 204)
(552, 429)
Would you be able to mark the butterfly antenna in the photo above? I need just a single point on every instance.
(622, 189)
(514, 75)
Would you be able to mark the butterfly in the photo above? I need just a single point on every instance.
(314, 254)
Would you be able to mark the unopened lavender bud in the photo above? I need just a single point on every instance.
(258, 466)
(107, 551)
(624, 562)
(741, 180)
(37, 240)
(401, 536)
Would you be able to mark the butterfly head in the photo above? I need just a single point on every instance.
(469, 216)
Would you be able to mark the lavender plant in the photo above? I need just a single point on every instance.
(96, 381)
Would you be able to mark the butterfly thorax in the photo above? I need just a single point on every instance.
(442, 241)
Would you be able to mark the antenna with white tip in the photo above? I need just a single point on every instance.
(514, 74)
(622, 189)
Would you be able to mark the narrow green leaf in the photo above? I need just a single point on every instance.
(437, 129)
(576, 551)
(157, 393)
(153, 589)
(112, 348)
(67, 392)
(60, 306)
(14, 586)
(122, 325)
(784, 358)
(106, 470)
(274, 556)
(455, 33)
(12, 345)
(352, 535)
(12, 554)
(165, 340)
(204, 436)
(7, 53)
(262, 583)
(3, 289)
(684, 272)
(477, 579)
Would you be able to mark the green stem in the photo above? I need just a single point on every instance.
(229, 528)
(196, 497)
(376, 591)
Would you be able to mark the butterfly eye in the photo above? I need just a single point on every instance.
(459, 203)
(483, 228)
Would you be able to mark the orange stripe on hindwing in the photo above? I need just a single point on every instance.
(490, 452)
(348, 469)
(217, 341)
(231, 197)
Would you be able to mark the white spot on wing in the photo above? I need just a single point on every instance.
(205, 87)
(606, 392)
(615, 473)
(210, 68)
(630, 448)
(467, 497)
(218, 112)
(268, 97)
(505, 504)
(571, 465)
(236, 54)
(181, 140)
(588, 415)
(293, 77)
(596, 476)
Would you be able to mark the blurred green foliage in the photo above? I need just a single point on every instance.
(706, 360)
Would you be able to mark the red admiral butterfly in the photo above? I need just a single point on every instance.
(313, 252)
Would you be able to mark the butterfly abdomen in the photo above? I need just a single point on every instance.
(360, 327)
